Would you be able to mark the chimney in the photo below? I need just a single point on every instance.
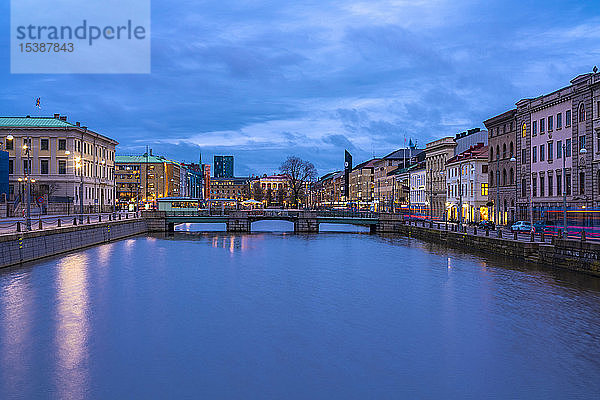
(56, 116)
(84, 128)
(150, 151)
(77, 123)
(63, 118)
(29, 116)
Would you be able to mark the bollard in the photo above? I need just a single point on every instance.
(40, 224)
(18, 226)
(74, 221)
(59, 222)
(99, 218)
(127, 216)
(110, 217)
(119, 217)
(532, 236)
(487, 231)
(542, 237)
(583, 236)
(88, 219)
(515, 235)
(446, 228)
(500, 233)
(475, 231)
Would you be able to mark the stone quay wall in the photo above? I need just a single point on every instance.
(574, 255)
(21, 247)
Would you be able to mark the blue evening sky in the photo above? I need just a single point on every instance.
(262, 80)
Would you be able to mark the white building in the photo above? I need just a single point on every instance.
(418, 188)
(63, 161)
(467, 183)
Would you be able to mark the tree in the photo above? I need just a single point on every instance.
(257, 191)
(299, 172)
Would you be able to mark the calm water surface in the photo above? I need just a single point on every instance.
(273, 315)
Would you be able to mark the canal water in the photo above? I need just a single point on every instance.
(274, 315)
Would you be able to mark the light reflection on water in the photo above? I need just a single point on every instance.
(279, 315)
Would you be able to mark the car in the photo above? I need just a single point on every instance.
(521, 226)
(487, 225)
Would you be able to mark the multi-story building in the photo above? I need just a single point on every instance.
(384, 178)
(194, 179)
(361, 182)
(595, 144)
(467, 184)
(436, 154)
(142, 179)
(555, 149)
(472, 137)
(206, 180)
(64, 163)
(419, 201)
(503, 173)
(230, 188)
(323, 191)
(223, 166)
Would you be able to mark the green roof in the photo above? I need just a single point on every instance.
(141, 159)
(36, 122)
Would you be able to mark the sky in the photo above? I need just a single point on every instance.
(263, 80)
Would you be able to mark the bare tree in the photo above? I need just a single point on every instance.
(257, 191)
(299, 172)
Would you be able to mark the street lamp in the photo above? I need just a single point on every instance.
(27, 149)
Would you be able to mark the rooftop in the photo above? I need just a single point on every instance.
(477, 152)
(142, 159)
(34, 122)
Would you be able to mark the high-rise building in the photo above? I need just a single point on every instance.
(223, 166)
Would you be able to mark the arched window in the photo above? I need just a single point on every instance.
(504, 150)
(504, 176)
(581, 113)
(491, 153)
(497, 152)
(512, 176)
(492, 178)
(524, 130)
(512, 148)
(598, 182)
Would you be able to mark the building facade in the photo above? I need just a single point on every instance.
(467, 185)
(503, 173)
(230, 188)
(419, 202)
(223, 166)
(194, 178)
(142, 179)
(385, 177)
(362, 185)
(65, 164)
(436, 154)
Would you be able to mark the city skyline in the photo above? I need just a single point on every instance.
(262, 91)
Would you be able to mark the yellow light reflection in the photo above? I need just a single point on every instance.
(72, 326)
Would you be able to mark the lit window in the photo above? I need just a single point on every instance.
(524, 130)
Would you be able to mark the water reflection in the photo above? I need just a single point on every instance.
(16, 313)
(72, 326)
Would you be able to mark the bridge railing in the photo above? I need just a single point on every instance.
(274, 213)
(348, 214)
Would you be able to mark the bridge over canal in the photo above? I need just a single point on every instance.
(241, 221)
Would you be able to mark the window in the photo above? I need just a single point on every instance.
(559, 121)
(559, 149)
(62, 167)
(550, 186)
(568, 184)
(523, 187)
(534, 154)
(568, 148)
(523, 156)
(550, 123)
(11, 167)
(504, 177)
(484, 168)
(492, 151)
(27, 166)
(534, 128)
(471, 188)
(44, 144)
(568, 118)
(581, 113)
(484, 189)
(598, 109)
(512, 176)
(542, 186)
(582, 142)
(497, 152)
(504, 150)
(542, 126)
(534, 186)
(492, 178)
(598, 142)
(524, 130)
(559, 187)
(512, 148)
(62, 144)
(582, 183)
(9, 144)
(542, 152)
(44, 170)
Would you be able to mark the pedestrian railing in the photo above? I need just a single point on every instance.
(53, 222)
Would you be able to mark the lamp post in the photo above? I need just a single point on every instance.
(27, 149)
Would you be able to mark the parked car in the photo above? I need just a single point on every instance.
(487, 225)
(521, 226)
